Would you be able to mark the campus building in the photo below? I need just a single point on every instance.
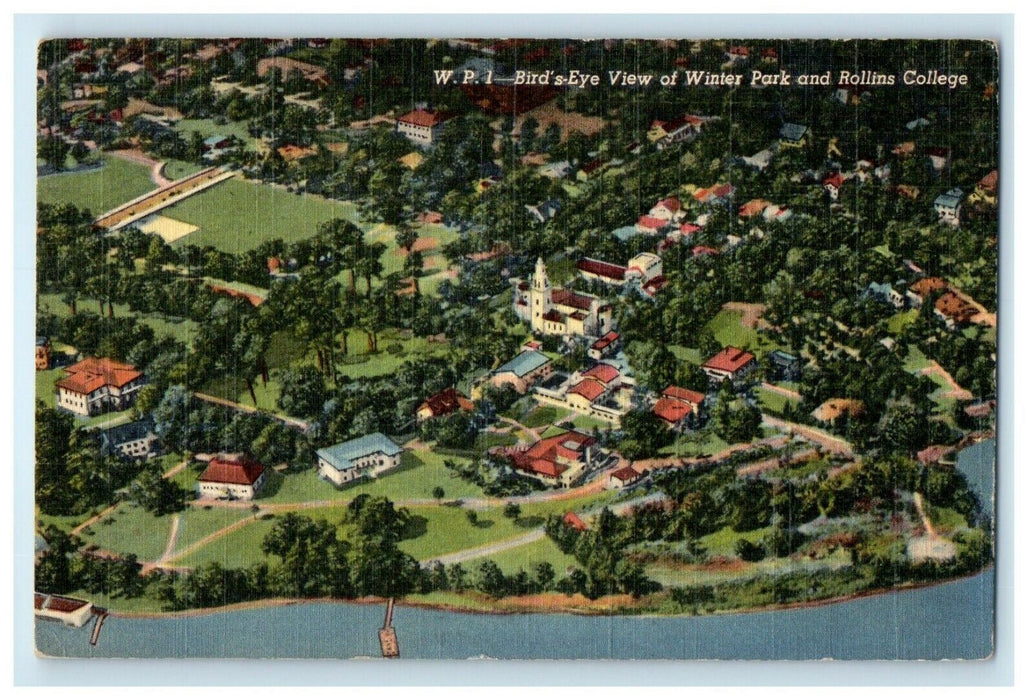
(96, 385)
(560, 311)
(370, 455)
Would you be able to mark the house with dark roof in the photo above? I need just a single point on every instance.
(954, 310)
(793, 135)
(605, 346)
(949, 205)
(783, 367)
(623, 477)
(544, 211)
(730, 363)
(444, 403)
(95, 385)
(236, 477)
(367, 456)
(135, 440)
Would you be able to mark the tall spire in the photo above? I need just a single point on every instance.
(540, 281)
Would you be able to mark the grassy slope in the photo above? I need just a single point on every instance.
(97, 190)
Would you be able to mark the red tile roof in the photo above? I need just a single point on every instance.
(605, 373)
(835, 181)
(689, 229)
(651, 222)
(671, 410)
(704, 250)
(232, 469)
(566, 297)
(446, 402)
(575, 522)
(588, 388)
(677, 392)
(625, 474)
(91, 374)
(606, 340)
(730, 359)
(541, 458)
(753, 208)
(422, 117)
(670, 203)
(927, 285)
(601, 268)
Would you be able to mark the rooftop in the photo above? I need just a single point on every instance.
(89, 375)
(340, 456)
(232, 469)
(730, 359)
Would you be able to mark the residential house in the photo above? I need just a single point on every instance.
(523, 372)
(135, 440)
(678, 407)
(716, 194)
(235, 477)
(669, 209)
(42, 352)
(885, 293)
(605, 346)
(575, 522)
(922, 288)
(591, 386)
(444, 403)
(623, 477)
(730, 363)
(949, 205)
(558, 460)
(368, 456)
(216, 142)
(560, 311)
(544, 211)
(987, 190)
(421, 126)
(832, 184)
(783, 367)
(953, 310)
(96, 385)
(793, 135)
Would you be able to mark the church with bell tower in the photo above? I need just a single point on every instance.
(560, 311)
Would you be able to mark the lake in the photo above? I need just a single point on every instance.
(910, 624)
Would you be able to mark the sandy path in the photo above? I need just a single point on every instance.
(782, 391)
(825, 440)
(957, 392)
(207, 539)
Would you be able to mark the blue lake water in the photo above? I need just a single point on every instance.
(949, 621)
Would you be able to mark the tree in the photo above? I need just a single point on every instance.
(405, 237)
(472, 517)
(438, 493)
(53, 150)
(544, 575)
(155, 494)
(512, 511)
(303, 392)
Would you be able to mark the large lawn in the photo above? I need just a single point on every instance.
(207, 127)
(131, 530)
(526, 557)
(728, 330)
(420, 472)
(771, 401)
(97, 190)
(448, 530)
(237, 215)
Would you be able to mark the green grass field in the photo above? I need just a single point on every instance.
(898, 322)
(772, 402)
(727, 328)
(132, 530)
(704, 443)
(237, 215)
(526, 557)
(724, 541)
(691, 355)
(97, 190)
(207, 127)
(448, 530)
(419, 473)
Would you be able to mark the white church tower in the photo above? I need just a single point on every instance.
(539, 296)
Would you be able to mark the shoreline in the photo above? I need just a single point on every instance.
(471, 609)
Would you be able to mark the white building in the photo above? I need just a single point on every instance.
(235, 477)
(560, 311)
(421, 126)
(94, 385)
(370, 455)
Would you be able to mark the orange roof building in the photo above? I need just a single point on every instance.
(421, 126)
(676, 404)
(96, 385)
(232, 477)
(729, 363)
(444, 403)
(556, 460)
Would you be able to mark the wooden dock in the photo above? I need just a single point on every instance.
(389, 642)
(102, 614)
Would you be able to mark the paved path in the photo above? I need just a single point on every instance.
(649, 465)
(825, 440)
(156, 200)
(174, 532)
(489, 549)
(195, 546)
(100, 516)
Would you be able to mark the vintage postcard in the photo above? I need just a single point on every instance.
(516, 348)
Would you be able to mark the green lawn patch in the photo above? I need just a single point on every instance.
(704, 443)
(724, 541)
(526, 557)
(419, 473)
(691, 355)
(237, 215)
(898, 322)
(771, 401)
(728, 330)
(542, 415)
(98, 190)
(208, 127)
(183, 330)
(131, 530)
(448, 530)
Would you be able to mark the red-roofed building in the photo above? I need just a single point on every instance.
(598, 269)
(833, 185)
(620, 478)
(668, 209)
(605, 346)
(95, 385)
(421, 126)
(444, 403)
(729, 363)
(556, 460)
(232, 476)
(650, 224)
(587, 389)
(575, 522)
(678, 406)
(700, 250)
